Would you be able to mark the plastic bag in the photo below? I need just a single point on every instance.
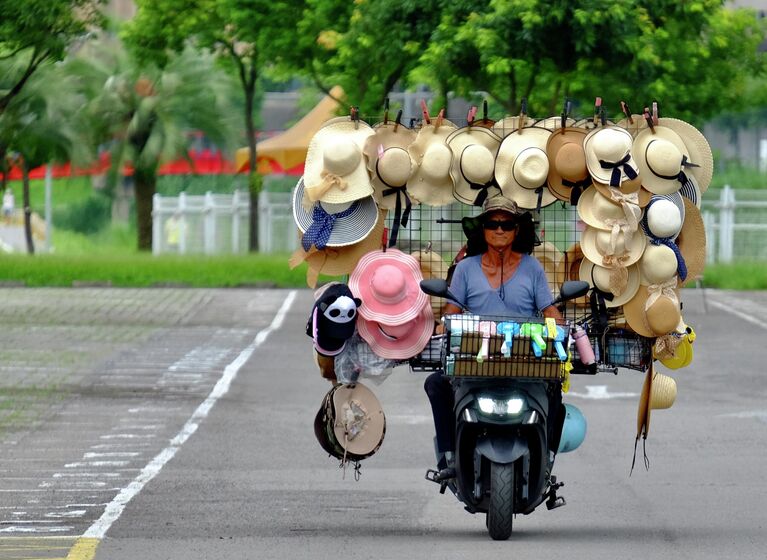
(358, 361)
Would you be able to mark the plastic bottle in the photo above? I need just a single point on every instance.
(583, 345)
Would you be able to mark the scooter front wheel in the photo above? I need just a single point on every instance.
(500, 514)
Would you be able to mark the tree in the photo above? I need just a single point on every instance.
(248, 36)
(147, 114)
(38, 31)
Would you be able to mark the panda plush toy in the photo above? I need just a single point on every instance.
(333, 319)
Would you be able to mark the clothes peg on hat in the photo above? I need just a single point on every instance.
(523, 114)
(484, 110)
(384, 238)
(655, 112)
(627, 112)
(471, 115)
(355, 116)
(425, 112)
(597, 110)
(649, 119)
(566, 111)
(602, 116)
(398, 121)
(440, 118)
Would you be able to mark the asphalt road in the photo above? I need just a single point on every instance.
(147, 453)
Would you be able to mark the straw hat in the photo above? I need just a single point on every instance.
(654, 310)
(522, 167)
(431, 182)
(662, 159)
(549, 256)
(601, 246)
(603, 278)
(335, 169)
(387, 282)
(691, 191)
(664, 216)
(554, 123)
(658, 392)
(398, 341)
(658, 264)
(568, 268)
(567, 163)
(474, 150)
(692, 242)
(507, 125)
(639, 196)
(389, 162)
(698, 147)
(600, 212)
(432, 266)
(333, 224)
(336, 261)
(608, 156)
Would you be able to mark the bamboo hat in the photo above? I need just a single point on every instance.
(432, 182)
(522, 167)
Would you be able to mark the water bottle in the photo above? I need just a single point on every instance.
(583, 345)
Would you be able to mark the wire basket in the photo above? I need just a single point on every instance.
(619, 347)
(494, 346)
(431, 358)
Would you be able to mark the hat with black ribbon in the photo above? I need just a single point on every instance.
(522, 167)
(608, 156)
(662, 159)
(474, 149)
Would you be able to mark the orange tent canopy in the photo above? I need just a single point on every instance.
(286, 152)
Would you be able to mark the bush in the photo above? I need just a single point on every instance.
(87, 216)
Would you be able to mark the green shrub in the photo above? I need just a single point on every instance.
(89, 215)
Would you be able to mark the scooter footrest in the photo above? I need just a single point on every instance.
(553, 503)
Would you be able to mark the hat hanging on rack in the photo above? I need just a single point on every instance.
(604, 280)
(662, 159)
(610, 249)
(474, 150)
(609, 158)
(432, 182)
(654, 310)
(692, 242)
(698, 147)
(522, 167)
(568, 174)
(399, 341)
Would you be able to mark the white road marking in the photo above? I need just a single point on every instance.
(758, 414)
(18, 529)
(599, 392)
(94, 455)
(408, 419)
(115, 508)
(730, 305)
(96, 464)
(126, 436)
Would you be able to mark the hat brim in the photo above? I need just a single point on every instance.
(590, 250)
(421, 187)
(556, 141)
(432, 266)
(643, 195)
(599, 174)
(586, 270)
(346, 231)
(369, 438)
(549, 256)
(586, 205)
(650, 180)
(401, 348)
(634, 312)
(457, 142)
(510, 148)
(700, 150)
(568, 268)
(386, 136)
(692, 242)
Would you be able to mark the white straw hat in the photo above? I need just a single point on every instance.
(608, 155)
(662, 159)
(474, 149)
(432, 182)
(522, 167)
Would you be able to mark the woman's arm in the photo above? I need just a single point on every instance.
(552, 311)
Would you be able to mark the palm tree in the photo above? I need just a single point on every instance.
(147, 115)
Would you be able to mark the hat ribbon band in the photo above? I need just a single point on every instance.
(576, 188)
(481, 187)
(615, 177)
(665, 289)
(398, 191)
(666, 345)
(318, 234)
(619, 275)
(618, 226)
(329, 180)
(681, 265)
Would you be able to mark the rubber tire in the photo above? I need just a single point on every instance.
(500, 514)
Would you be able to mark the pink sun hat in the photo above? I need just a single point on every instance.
(387, 282)
(401, 341)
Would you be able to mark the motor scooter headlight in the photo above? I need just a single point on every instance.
(500, 407)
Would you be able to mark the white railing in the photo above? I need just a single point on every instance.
(736, 225)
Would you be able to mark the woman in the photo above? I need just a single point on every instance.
(503, 279)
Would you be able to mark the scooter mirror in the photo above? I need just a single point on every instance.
(572, 289)
(435, 287)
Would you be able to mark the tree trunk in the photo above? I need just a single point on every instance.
(27, 209)
(145, 183)
(254, 180)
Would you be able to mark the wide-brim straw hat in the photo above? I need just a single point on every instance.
(610, 144)
(357, 403)
(567, 162)
(507, 125)
(598, 210)
(664, 216)
(398, 341)
(699, 149)
(433, 266)
(474, 151)
(335, 169)
(549, 256)
(692, 242)
(657, 265)
(388, 283)
(337, 261)
(658, 392)
(522, 167)
(432, 182)
(554, 123)
(599, 277)
(661, 155)
(595, 244)
(626, 190)
(388, 160)
(568, 268)
(660, 318)
(346, 230)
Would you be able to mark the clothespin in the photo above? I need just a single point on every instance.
(355, 116)
(440, 118)
(648, 118)
(471, 116)
(412, 122)
(484, 110)
(386, 111)
(566, 112)
(385, 238)
(627, 112)
(523, 113)
(428, 247)
(597, 110)
(425, 111)
(602, 116)
(655, 112)
(398, 121)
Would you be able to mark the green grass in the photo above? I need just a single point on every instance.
(117, 238)
(139, 270)
(738, 177)
(736, 276)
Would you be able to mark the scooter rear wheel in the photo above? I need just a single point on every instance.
(500, 514)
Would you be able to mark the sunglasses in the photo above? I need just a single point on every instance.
(505, 225)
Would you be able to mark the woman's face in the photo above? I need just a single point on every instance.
(495, 227)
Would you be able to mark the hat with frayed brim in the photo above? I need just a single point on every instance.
(567, 163)
(398, 341)
(692, 242)
(354, 220)
(389, 161)
(474, 150)
(699, 148)
(522, 167)
(599, 277)
(431, 182)
(658, 392)
(335, 169)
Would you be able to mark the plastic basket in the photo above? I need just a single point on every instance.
(527, 352)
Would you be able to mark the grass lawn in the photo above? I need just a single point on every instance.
(736, 276)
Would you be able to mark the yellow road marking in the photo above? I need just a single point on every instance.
(35, 548)
(84, 549)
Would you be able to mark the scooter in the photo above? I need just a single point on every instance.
(508, 432)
